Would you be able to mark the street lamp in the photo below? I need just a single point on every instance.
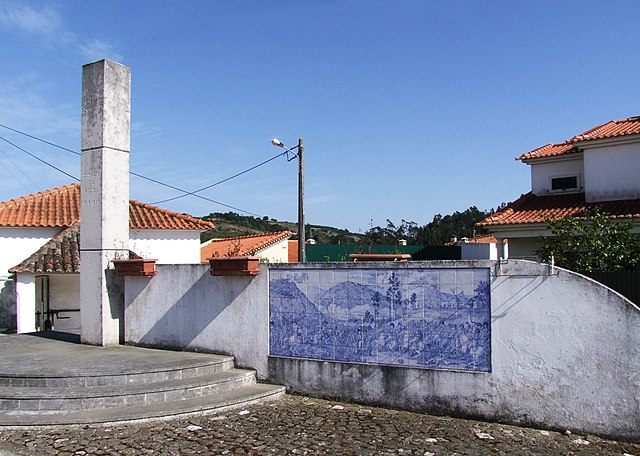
(298, 154)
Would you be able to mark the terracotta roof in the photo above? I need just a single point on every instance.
(243, 245)
(60, 207)
(614, 128)
(530, 208)
(60, 255)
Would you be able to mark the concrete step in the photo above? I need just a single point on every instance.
(78, 398)
(50, 379)
(216, 402)
(187, 366)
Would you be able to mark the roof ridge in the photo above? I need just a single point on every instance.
(248, 236)
(188, 217)
(34, 196)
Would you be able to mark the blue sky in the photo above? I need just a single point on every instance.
(407, 108)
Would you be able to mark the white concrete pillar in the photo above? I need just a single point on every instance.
(26, 302)
(104, 228)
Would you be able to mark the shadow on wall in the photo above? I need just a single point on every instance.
(8, 306)
(197, 303)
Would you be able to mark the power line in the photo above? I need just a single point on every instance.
(185, 192)
(40, 160)
(222, 181)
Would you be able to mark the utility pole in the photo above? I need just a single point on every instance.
(301, 235)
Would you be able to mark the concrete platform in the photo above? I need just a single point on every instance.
(50, 378)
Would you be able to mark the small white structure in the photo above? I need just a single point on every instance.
(483, 247)
(39, 238)
(598, 167)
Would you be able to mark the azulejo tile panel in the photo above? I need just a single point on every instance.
(424, 318)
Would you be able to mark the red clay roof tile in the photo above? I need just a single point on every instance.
(243, 245)
(60, 207)
(60, 255)
(530, 208)
(614, 128)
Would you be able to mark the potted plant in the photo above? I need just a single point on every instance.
(135, 266)
(234, 264)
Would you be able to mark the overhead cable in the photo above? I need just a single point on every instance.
(185, 192)
(40, 159)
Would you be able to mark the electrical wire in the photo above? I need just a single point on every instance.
(222, 181)
(15, 165)
(185, 192)
(39, 159)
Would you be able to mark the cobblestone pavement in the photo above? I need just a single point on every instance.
(297, 426)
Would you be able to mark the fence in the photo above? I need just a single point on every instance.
(626, 283)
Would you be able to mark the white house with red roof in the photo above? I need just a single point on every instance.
(40, 260)
(598, 167)
(272, 247)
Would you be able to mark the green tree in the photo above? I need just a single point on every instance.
(593, 242)
(442, 228)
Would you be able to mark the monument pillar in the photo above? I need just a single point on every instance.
(104, 213)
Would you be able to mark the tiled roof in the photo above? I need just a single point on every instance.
(614, 128)
(147, 217)
(530, 208)
(60, 207)
(60, 255)
(243, 245)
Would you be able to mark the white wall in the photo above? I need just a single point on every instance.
(612, 173)
(542, 173)
(185, 307)
(167, 246)
(26, 302)
(277, 253)
(17, 244)
(565, 349)
(65, 294)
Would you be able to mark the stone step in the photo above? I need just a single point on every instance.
(217, 402)
(78, 398)
(189, 365)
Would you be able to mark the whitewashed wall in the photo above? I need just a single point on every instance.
(167, 246)
(565, 349)
(542, 173)
(277, 253)
(611, 173)
(16, 244)
(65, 294)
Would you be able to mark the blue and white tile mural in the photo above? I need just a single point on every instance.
(425, 318)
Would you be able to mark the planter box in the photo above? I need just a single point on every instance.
(401, 257)
(138, 267)
(235, 266)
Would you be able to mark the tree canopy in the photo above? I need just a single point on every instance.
(594, 242)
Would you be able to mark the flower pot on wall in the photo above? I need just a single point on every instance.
(235, 266)
(137, 267)
(402, 257)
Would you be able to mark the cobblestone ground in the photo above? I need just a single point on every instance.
(296, 425)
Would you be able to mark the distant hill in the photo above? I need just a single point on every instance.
(231, 224)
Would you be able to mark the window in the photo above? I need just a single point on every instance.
(564, 183)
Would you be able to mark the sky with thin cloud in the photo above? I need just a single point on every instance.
(407, 109)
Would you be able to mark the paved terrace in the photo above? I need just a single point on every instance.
(290, 425)
(298, 425)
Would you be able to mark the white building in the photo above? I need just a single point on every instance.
(598, 167)
(39, 241)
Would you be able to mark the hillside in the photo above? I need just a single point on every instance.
(230, 224)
